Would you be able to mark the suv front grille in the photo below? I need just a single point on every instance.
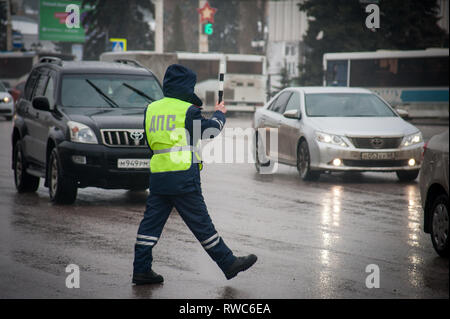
(376, 142)
(124, 138)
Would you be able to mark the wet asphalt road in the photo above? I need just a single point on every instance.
(313, 240)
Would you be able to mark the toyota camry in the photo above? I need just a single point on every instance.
(326, 129)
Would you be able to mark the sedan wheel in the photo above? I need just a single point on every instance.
(259, 149)
(440, 225)
(303, 163)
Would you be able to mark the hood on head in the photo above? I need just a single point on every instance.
(179, 83)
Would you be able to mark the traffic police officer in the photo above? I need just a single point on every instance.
(175, 176)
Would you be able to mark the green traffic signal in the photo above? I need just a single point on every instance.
(208, 29)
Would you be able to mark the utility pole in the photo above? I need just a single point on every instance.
(159, 25)
(8, 26)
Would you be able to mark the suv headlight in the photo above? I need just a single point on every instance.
(331, 139)
(412, 139)
(81, 133)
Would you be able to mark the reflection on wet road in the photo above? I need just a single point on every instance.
(313, 239)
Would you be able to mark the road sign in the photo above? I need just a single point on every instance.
(60, 20)
(17, 39)
(118, 45)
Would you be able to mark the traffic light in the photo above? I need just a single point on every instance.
(208, 28)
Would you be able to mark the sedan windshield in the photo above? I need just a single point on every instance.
(109, 90)
(2, 87)
(346, 105)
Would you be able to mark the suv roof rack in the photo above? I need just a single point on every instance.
(130, 61)
(134, 63)
(50, 59)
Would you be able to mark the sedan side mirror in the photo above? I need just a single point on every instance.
(293, 114)
(41, 103)
(403, 113)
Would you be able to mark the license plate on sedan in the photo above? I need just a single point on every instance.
(133, 163)
(377, 156)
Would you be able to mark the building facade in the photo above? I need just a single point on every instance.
(287, 26)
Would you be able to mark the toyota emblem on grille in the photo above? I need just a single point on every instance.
(136, 136)
(377, 142)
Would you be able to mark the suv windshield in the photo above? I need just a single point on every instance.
(346, 105)
(109, 90)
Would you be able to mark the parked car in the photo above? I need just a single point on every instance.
(434, 192)
(80, 124)
(338, 129)
(6, 103)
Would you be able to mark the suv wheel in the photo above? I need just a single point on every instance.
(440, 225)
(407, 176)
(62, 190)
(25, 182)
(303, 163)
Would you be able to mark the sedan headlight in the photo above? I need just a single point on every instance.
(331, 139)
(412, 139)
(6, 99)
(81, 133)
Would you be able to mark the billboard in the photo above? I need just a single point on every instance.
(60, 20)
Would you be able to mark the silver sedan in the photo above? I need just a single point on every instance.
(336, 129)
(6, 103)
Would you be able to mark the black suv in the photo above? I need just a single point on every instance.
(80, 124)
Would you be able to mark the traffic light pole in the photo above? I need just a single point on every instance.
(202, 38)
(159, 25)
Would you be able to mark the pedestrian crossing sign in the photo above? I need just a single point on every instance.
(118, 45)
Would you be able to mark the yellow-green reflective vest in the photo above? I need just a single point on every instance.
(166, 136)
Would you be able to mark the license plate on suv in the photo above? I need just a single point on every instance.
(133, 163)
(377, 156)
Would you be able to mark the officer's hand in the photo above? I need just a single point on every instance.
(221, 107)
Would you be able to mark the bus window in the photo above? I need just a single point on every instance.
(244, 67)
(406, 72)
(205, 69)
(337, 73)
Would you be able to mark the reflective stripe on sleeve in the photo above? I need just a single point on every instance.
(176, 149)
(215, 119)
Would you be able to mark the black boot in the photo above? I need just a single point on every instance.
(240, 264)
(144, 278)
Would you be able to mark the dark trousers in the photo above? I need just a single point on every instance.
(193, 211)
